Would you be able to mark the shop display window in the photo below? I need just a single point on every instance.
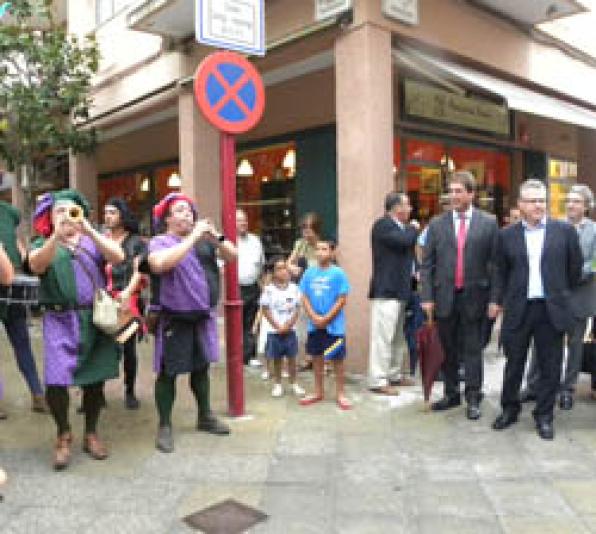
(562, 174)
(266, 192)
(422, 168)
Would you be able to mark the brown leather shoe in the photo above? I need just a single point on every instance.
(405, 381)
(94, 448)
(62, 451)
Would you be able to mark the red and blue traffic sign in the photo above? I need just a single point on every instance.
(229, 91)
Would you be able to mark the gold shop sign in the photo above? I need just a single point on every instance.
(434, 104)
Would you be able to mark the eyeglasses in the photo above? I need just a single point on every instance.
(534, 200)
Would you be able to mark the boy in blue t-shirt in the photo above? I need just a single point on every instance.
(324, 291)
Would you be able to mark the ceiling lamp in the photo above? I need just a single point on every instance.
(245, 168)
(145, 184)
(289, 162)
(447, 163)
(174, 180)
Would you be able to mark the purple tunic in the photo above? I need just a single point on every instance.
(185, 289)
(62, 330)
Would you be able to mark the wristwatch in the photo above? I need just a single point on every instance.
(221, 238)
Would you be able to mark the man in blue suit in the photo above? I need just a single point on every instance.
(539, 261)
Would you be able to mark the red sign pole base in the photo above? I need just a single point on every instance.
(232, 303)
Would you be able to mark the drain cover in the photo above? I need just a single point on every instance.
(226, 517)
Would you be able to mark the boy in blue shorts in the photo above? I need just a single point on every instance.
(324, 290)
(280, 302)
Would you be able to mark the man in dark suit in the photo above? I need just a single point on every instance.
(457, 286)
(539, 262)
(392, 243)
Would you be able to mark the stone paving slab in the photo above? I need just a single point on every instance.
(386, 466)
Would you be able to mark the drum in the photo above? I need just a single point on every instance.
(23, 290)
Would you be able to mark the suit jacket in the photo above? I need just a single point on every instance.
(583, 296)
(392, 259)
(437, 271)
(560, 265)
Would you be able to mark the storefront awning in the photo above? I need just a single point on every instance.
(517, 97)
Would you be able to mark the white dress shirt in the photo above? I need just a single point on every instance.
(250, 259)
(534, 245)
(456, 219)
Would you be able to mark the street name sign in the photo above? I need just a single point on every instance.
(231, 24)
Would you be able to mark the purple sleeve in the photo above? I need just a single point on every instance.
(92, 249)
(157, 243)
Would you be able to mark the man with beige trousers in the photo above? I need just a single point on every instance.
(393, 238)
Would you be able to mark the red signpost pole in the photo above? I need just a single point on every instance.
(233, 303)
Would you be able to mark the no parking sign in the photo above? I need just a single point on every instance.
(229, 91)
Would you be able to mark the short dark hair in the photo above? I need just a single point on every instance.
(465, 178)
(274, 260)
(329, 240)
(394, 198)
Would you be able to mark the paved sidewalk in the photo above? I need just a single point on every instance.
(384, 467)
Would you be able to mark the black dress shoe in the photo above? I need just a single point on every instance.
(213, 425)
(545, 429)
(527, 396)
(566, 401)
(504, 420)
(473, 411)
(445, 403)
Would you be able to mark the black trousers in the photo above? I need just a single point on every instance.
(129, 352)
(250, 307)
(461, 338)
(548, 343)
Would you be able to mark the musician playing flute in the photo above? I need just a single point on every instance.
(69, 257)
(185, 285)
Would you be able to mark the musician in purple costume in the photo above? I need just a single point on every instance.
(185, 286)
(69, 258)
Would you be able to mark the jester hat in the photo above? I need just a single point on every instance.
(160, 210)
(42, 218)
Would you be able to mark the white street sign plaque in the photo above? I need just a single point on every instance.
(232, 25)
(402, 10)
(325, 9)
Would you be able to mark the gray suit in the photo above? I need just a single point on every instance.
(460, 314)
(583, 306)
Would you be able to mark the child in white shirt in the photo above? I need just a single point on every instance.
(281, 307)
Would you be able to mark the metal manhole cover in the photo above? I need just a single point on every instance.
(226, 517)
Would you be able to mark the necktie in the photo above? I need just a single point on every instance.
(461, 243)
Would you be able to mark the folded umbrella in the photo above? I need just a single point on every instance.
(430, 352)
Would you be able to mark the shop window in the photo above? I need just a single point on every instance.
(266, 192)
(562, 174)
(423, 167)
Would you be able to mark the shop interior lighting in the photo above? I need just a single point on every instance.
(289, 162)
(265, 179)
(245, 168)
(448, 163)
(174, 180)
(145, 184)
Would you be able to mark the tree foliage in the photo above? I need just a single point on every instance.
(45, 80)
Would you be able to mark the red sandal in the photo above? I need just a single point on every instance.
(344, 404)
(307, 401)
